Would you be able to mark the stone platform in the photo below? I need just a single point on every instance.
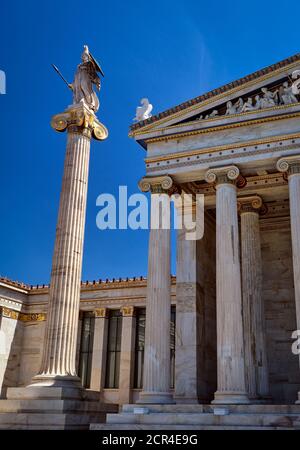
(203, 417)
(51, 408)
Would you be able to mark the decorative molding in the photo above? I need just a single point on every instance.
(223, 127)
(128, 311)
(23, 317)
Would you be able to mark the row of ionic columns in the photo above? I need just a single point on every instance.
(242, 370)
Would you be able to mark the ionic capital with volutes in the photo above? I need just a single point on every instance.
(159, 185)
(79, 119)
(289, 164)
(251, 203)
(222, 175)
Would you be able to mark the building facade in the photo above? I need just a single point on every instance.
(220, 334)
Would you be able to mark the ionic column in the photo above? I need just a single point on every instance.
(230, 346)
(256, 367)
(127, 354)
(59, 351)
(291, 165)
(187, 314)
(156, 381)
(99, 349)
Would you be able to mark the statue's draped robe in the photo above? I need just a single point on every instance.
(85, 76)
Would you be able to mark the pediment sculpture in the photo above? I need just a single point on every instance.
(287, 93)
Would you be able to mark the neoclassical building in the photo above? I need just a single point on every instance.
(211, 347)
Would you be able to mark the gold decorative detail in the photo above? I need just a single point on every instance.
(269, 140)
(127, 311)
(215, 98)
(100, 132)
(100, 312)
(23, 317)
(35, 317)
(79, 119)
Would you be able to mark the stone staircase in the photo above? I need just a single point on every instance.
(203, 417)
(51, 409)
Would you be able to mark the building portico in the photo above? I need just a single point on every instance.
(211, 347)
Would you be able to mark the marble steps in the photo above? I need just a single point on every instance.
(54, 406)
(209, 408)
(120, 427)
(165, 420)
(48, 421)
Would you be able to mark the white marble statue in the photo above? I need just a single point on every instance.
(286, 94)
(85, 77)
(269, 98)
(296, 83)
(248, 105)
(257, 102)
(239, 105)
(143, 112)
(214, 113)
(231, 109)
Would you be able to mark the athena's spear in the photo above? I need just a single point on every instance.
(62, 77)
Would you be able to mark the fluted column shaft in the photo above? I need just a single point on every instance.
(291, 165)
(230, 346)
(256, 367)
(156, 380)
(58, 359)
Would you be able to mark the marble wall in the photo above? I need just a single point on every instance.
(280, 314)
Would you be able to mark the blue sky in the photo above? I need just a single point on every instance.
(166, 50)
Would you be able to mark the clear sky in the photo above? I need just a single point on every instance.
(167, 50)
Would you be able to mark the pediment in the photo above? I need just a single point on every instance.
(265, 90)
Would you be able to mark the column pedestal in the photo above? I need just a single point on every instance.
(230, 344)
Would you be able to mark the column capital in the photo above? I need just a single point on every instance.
(101, 313)
(222, 175)
(127, 311)
(80, 119)
(289, 164)
(250, 203)
(159, 185)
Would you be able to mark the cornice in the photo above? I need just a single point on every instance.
(227, 126)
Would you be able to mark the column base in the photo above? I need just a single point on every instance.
(152, 397)
(46, 380)
(230, 398)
